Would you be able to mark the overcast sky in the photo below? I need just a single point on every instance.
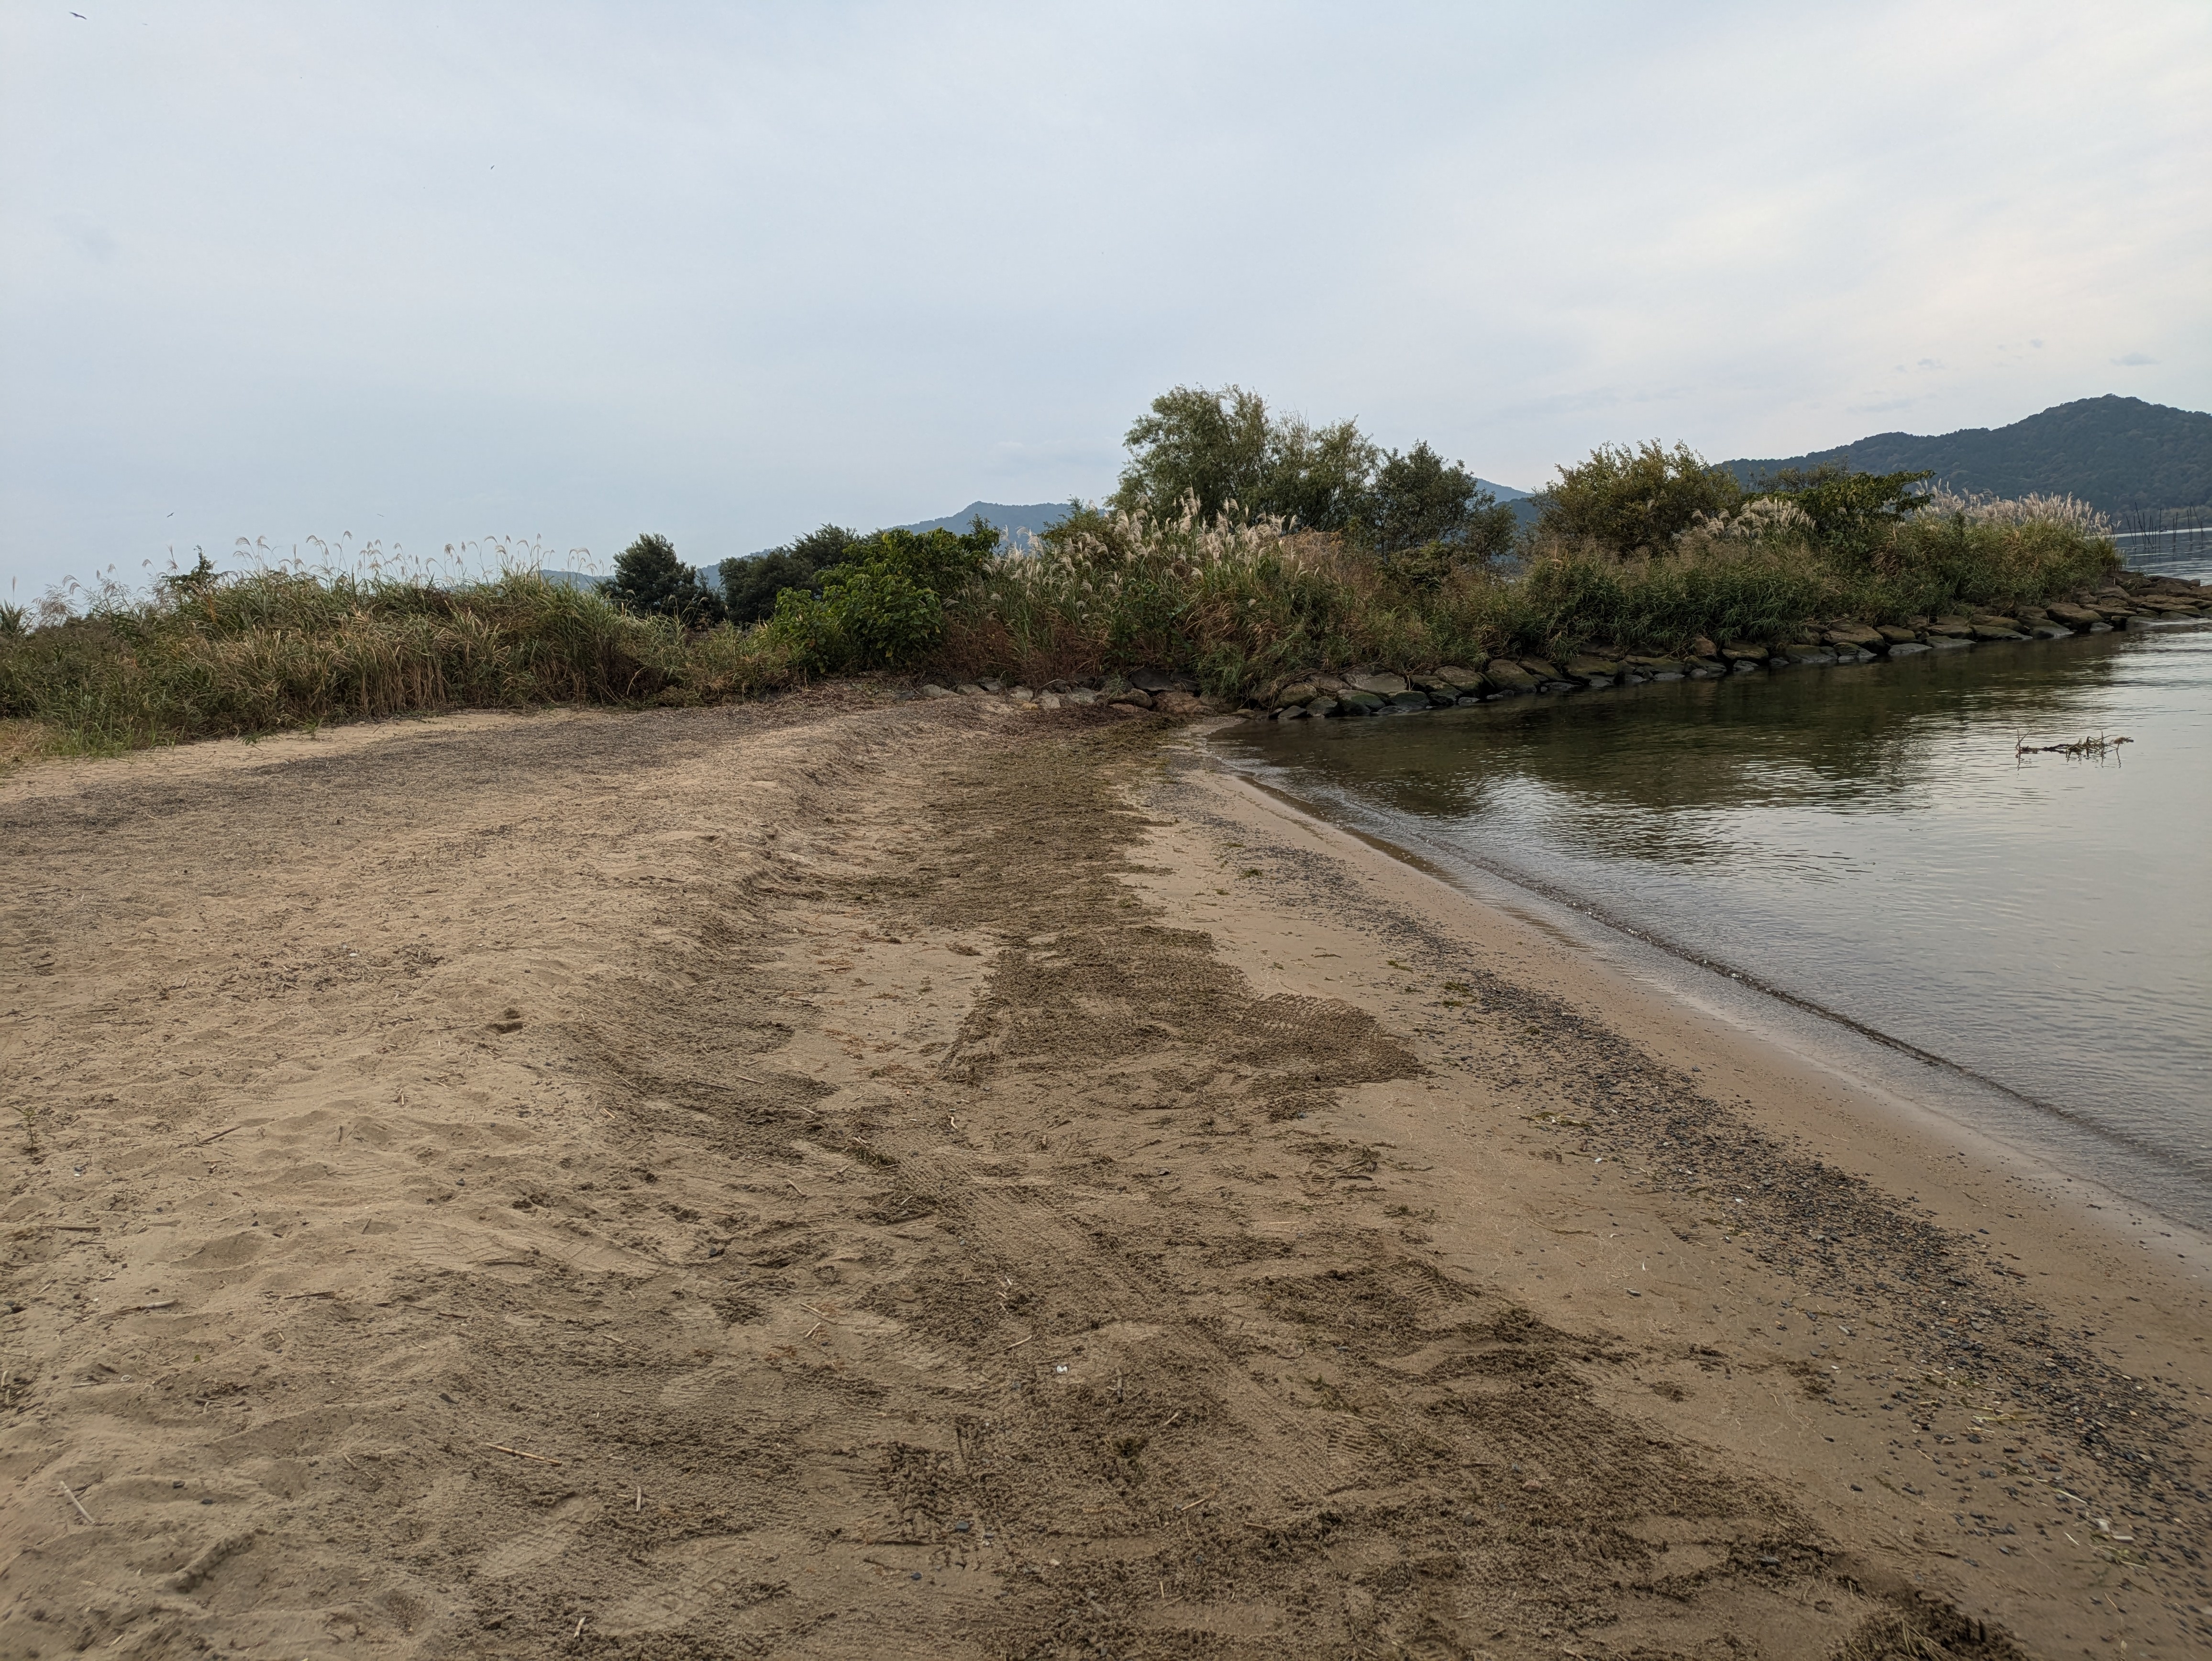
(431, 273)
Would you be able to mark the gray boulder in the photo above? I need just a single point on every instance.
(1383, 686)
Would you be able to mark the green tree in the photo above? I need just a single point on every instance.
(883, 606)
(750, 585)
(650, 580)
(1196, 443)
(1419, 498)
(1851, 513)
(1629, 499)
(1223, 447)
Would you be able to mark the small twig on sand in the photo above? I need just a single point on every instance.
(218, 1135)
(78, 1503)
(578, 1632)
(1011, 1347)
(542, 1459)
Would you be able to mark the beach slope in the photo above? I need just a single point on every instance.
(832, 1177)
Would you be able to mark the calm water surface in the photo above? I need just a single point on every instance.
(1863, 839)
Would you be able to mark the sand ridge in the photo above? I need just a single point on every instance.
(831, 1177)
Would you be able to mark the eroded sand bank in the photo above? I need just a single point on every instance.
(832, 1178)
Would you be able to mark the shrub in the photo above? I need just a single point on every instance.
(650, 581)
(1849, 514)
(882, 606)
(1625, 499)
(1419, 499)
(1217, 450)
(1206, 455)
(750, 585)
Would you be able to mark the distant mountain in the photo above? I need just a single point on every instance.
(2116, 454)
(1523, 502)
(1036, 517)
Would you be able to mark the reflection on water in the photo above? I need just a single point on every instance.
(1863, 838)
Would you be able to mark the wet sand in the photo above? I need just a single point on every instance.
(834, 1178)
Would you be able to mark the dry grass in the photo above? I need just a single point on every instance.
(275, 649)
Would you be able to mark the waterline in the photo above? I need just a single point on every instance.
(2032, 936)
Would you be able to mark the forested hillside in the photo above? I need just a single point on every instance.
(2116, 454)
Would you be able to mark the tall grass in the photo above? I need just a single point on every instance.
(274, 648)
(1241, 604)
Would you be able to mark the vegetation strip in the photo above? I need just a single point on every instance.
(1245, 556)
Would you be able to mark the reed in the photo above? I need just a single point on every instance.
(276, 647)
(1241, 604)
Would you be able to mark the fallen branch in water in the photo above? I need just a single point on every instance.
(2084, 746)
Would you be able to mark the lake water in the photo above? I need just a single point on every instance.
(2023, 941)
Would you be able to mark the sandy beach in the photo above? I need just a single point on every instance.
(837, 1177)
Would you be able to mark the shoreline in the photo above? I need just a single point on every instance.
(2077, 1251)
(836, 1175)
(2134, 601)
(1705, 982)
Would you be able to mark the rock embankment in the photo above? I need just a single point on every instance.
(2133, 600)
(1146, 689)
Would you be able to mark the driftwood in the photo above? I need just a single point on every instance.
(2083, 746)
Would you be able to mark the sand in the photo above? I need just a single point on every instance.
(840, 1177)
